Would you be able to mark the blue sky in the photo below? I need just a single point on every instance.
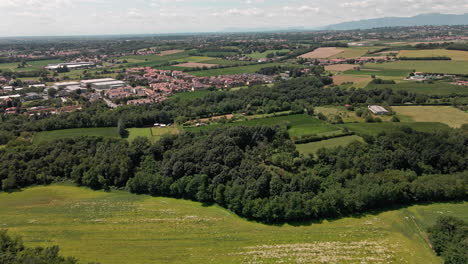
(90, 17)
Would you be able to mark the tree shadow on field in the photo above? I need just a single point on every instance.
(373, 212)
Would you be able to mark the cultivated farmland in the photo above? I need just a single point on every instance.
(443, 114)
(457, 55)
(91, 225)
(196, 65)
(313, 147)
(322, 53)
(374, 129)
(340, 67)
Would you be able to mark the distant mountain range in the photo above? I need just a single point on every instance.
(419, 20)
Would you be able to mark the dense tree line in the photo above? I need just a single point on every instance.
(449, 238)
(256, 172)
(13, 251)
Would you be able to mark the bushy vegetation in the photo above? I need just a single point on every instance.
(449, 238)
(256, 172)
(13, 251)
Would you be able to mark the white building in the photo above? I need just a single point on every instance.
(86, 83)
(108, 85)
(71, 65)
(378, 110)
(64, 85)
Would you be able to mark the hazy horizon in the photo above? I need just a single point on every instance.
(117, 17)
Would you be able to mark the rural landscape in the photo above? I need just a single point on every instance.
(345, 143)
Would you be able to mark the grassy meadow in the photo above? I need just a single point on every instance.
(110, 132)
(262, 55)
(376, 128)
(31, 65)
(117, 227)
(355, 52)
(300, 125)
(443, 114)
(457, 55)
(235, 70)
(313, 147)
(448, 67)
(436, 88)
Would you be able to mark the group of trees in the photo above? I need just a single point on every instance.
(449, 238)
(256, 172)
(13, 251)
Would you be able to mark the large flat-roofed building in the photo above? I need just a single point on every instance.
(86, 83)
(70, 65)
(63, 85)
(108, 85)
(378, 110)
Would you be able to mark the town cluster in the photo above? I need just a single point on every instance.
(161, 84)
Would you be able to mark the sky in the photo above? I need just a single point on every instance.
(97, 17)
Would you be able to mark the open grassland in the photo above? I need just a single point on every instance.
(191, 95)
(195, 65)
(347, 116)
(262, 55)
(443, 114)
(448, 67)
(235, 70)
(110, 132)
(195, 59)
(436, 88)
(322, 53)
(118, 227)
(457, 55)
(170, 52)
(313, 147)
(358, 81)
(340, 67)
(400, 73)
(154, 134)
(300, 125)
(30, 65)
(376, 128)
(355, 52)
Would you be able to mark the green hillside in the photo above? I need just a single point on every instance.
(118, 227)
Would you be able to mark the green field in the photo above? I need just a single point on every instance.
(117, 227)
(356, 52)
(195, 59)
(376, 128)
(235, 70)
(31, 65)
(313, 147)
(443, 114)
(191, 95)
(153, 133)
(436, 88)
(454, 54)
(379, 72)
(262, 55)
(300, 125)
(449, 67)
(110, 132)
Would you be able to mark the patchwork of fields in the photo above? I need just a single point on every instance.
(91, 225)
